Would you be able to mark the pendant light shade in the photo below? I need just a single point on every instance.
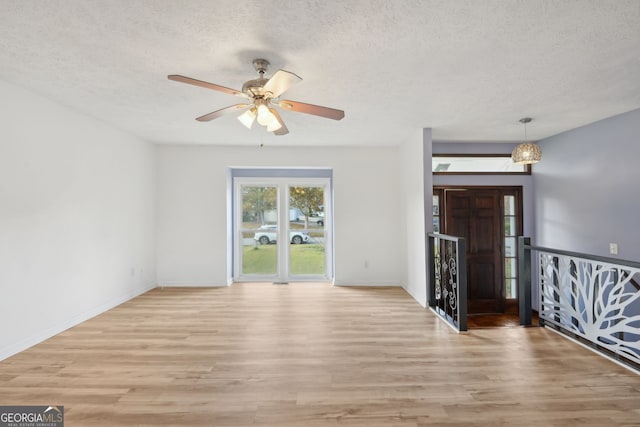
(526, 152)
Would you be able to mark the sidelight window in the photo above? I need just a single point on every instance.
(436, 212)
(510, 247)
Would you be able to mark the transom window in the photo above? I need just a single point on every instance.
(493, 164)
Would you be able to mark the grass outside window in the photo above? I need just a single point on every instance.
(305, 259)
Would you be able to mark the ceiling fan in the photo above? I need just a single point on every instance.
(262, 94)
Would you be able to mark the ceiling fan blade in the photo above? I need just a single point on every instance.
(280, 82)
(221, 112)
(207, 85)
(283, 129)
(316, 110)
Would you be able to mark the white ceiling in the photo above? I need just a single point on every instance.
(468, 69)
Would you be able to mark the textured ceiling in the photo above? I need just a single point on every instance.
(468, 69)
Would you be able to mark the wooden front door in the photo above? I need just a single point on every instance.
(475, 215)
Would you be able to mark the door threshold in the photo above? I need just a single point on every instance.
(495, 320)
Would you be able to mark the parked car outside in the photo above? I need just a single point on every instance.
(268, 234)
(315, 218)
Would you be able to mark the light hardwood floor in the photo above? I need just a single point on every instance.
(312, 354)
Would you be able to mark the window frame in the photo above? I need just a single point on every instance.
(282, 185)
(527, 167)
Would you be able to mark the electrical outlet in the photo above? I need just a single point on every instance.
(613, 248)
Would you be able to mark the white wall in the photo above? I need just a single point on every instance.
(76, 218)
(416, 189)
(586, 189)
(192, 210)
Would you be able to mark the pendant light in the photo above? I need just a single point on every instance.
(526, 152)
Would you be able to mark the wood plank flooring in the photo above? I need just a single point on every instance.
(503, 320)
(312, 355)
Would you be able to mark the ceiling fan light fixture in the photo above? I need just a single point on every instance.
(264, 115)
(526, 152)
(274, 124)
(262, 93)
(248, 117)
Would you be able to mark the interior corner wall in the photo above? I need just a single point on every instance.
(193, 205)
(416, 188)
(586, 189)
(76, 218)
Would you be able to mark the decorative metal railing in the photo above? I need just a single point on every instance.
(447, 289)
(591, 298)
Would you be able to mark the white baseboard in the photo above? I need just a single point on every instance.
(25, 343)
(170, 284)
(420, 301)
(357, 283)
(393, 284)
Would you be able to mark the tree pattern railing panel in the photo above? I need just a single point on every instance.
(447, 294)
(596, 300)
